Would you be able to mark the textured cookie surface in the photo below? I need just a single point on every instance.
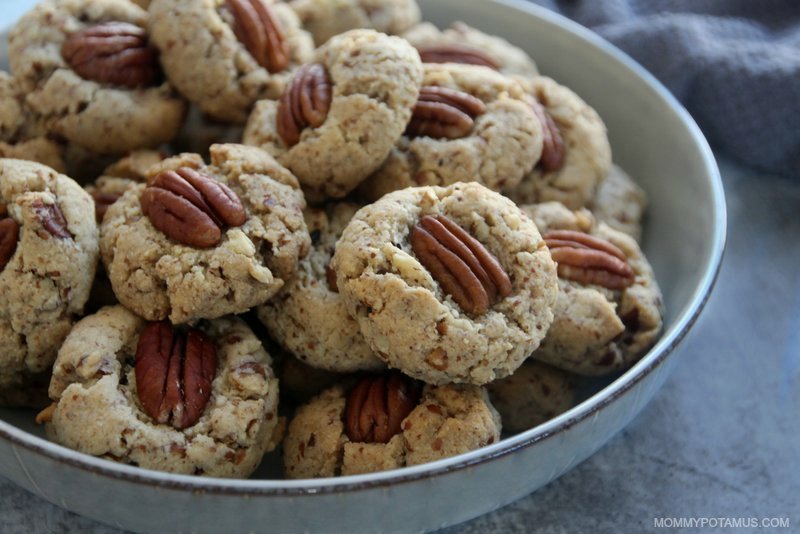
(502, 146)
(405, 315)
(620, 203)
(98, 410)
(74, 108)
(46, 281)
(448, 420)
(158, 277)
(210, 66)
(375, 82)
(309, 317)
(587, 151)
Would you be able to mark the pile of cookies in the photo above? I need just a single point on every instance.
(419, 239)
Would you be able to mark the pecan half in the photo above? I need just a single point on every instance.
(174, 372)
(52, 220)
(305, 102)
(589, 260)
(456, 53)
(9, 235)
(460, 263)
(102, 201)
(191, 207)
(553, 149)
(257, 27)
(376, 407)
(115, 53)
(444, 113)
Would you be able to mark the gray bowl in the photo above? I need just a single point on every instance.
(653, 138)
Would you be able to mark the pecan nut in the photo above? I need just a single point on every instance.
(52, 220)
(102, 201)
(444, 113)
(456, 53)
(553, 148)
(9, 235)
(174, 372)
(115, 53)
(305, 102)
(464, 268)
(377, 405)
(260, 31)
(191, 207)
(589, 260)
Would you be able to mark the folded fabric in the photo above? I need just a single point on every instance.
(734, 64)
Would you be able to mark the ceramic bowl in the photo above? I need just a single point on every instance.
(653, 138)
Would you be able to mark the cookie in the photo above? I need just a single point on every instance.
(234, 242)
(48, 255)
(224, 55)
(472, 124)
(535, 393)
(464, 44)
(620, 203)
(408, 424)
(327, 18)
(364, 85)
(109, 399)
(309, 317)
(609, 309)
(576, 157)
(472, 316)
(65, 55)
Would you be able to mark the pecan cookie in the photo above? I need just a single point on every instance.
(198, 400)
(471, 124)
(609, 308)
(87, 67)
(309, 318)
(326, 18)
(48, 255)
(447, 284)
(386, 422)
(341, 114)
(464, 44)
(203, 241)
(576, 155)
(224, 55)
(535, 393)
(620, 203)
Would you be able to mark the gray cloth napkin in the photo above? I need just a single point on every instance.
(734, 64)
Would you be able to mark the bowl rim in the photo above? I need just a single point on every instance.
(586, 409)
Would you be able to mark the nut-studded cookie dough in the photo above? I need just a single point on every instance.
(471, 124)
(386, 422)
(309, 317)
(620, 203)
(203, 241)
(48, 255)
(576, 155)
(363, 86)
(447, 284)
(326, 18)
(91, 76)
(609, 308)
(224, 55)
(117, 394)
(535, 393)
(464, 44)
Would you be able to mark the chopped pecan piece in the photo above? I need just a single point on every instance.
(114, 53)
(52, 220)
(305, 102)
(174, 372)
(191, 207)
(9, 235)
(460, 263)
(553, 149)
(456, 53)
(257, 27)
(589, 260)
(444, 113)
(376, 407)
